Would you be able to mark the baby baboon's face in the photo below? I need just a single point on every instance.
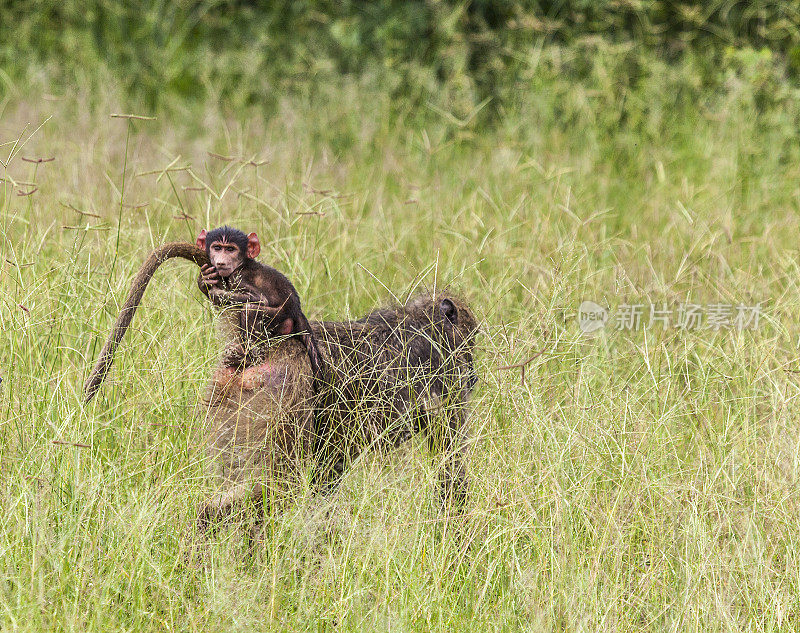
(225, 257)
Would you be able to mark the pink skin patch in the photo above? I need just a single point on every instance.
(286, 327)
(224, 376)
(268, 376)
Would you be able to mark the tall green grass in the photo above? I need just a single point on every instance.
(632, 481)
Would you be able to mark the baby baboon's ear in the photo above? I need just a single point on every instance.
(449, 311)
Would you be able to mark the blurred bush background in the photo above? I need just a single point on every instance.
(458, 56)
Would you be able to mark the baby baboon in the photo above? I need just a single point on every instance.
(266, 303)
(397, 371)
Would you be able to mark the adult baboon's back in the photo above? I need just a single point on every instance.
(397, 371)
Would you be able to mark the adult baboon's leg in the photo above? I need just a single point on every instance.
(447, 438)
(331, 459)
(241, 497)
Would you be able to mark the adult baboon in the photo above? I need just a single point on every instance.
(287, 388)
(397, 371)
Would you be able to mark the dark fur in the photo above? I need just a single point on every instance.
(226, 234)
(397, 371)
(263, 299)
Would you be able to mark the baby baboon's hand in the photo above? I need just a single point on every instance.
(209, 277)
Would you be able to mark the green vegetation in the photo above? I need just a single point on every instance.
(454, 54)
(633, 481)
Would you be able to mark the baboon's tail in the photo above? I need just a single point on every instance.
(138, 286)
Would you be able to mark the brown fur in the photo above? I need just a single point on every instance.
(265, 304)
(138, 286)
(261, 427)
(397, 371)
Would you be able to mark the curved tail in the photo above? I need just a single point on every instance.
(138, 286)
